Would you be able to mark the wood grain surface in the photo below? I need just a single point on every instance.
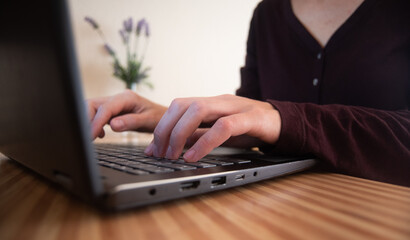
(303, 206)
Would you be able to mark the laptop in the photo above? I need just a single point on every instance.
(44, 124)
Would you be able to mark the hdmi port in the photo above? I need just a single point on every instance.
(189, 185)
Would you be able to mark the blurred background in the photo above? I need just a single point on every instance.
(196, 47)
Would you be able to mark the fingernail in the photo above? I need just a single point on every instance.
(188, 156)
(119, 124)
(148, 150)
(169, 153)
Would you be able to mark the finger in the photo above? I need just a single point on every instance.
(92, 106)
(149, 149)
(185, 127)
(168, 121)
(101, 134)
(110, 108)
(221, 131)
(195, 136)
(92, 110)
(101, 118)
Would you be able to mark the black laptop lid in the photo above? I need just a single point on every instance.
(42, 120)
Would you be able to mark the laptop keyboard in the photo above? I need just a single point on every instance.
(132, 160)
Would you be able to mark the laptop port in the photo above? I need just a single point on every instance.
(152, 191)
(216, 181)
(189, 185)
(239, 177)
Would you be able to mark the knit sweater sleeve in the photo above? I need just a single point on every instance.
(358, 141)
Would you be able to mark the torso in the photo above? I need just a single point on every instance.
(363, 59)
(323, 17)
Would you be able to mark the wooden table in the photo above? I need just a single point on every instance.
(304, 206)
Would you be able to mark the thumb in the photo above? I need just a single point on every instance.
(127, 122)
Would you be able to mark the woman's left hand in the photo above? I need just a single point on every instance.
(230, 116)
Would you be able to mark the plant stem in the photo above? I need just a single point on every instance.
(101, 35)
(128, 48)
(136, 47)
(145, 50)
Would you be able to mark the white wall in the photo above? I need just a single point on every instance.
(196, 47)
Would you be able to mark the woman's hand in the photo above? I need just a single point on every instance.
(124, 111)
(230, 116)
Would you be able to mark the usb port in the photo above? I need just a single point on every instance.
(239, 177)
(189, 185)
(216, 181)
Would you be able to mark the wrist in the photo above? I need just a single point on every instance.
(269, 123)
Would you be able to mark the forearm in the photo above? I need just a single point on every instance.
(363, 142)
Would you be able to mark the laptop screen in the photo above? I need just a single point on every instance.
(42, 122)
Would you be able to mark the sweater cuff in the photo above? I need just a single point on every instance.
(292, 134)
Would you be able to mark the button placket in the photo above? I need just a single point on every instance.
(319, 57)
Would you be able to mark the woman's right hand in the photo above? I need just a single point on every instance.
(123, 112)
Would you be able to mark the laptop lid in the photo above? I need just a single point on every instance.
(42, 124)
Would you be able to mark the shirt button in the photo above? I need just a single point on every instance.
(319, 56)
(315, 82)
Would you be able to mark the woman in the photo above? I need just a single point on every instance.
(322, 77)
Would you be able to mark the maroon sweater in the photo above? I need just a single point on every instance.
(346, 103)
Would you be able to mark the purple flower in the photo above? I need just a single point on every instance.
(128, 25)
(92, 22)
(109, 49)
(124, 36)
(142, 24)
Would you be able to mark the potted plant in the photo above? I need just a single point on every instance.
(132, 72)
